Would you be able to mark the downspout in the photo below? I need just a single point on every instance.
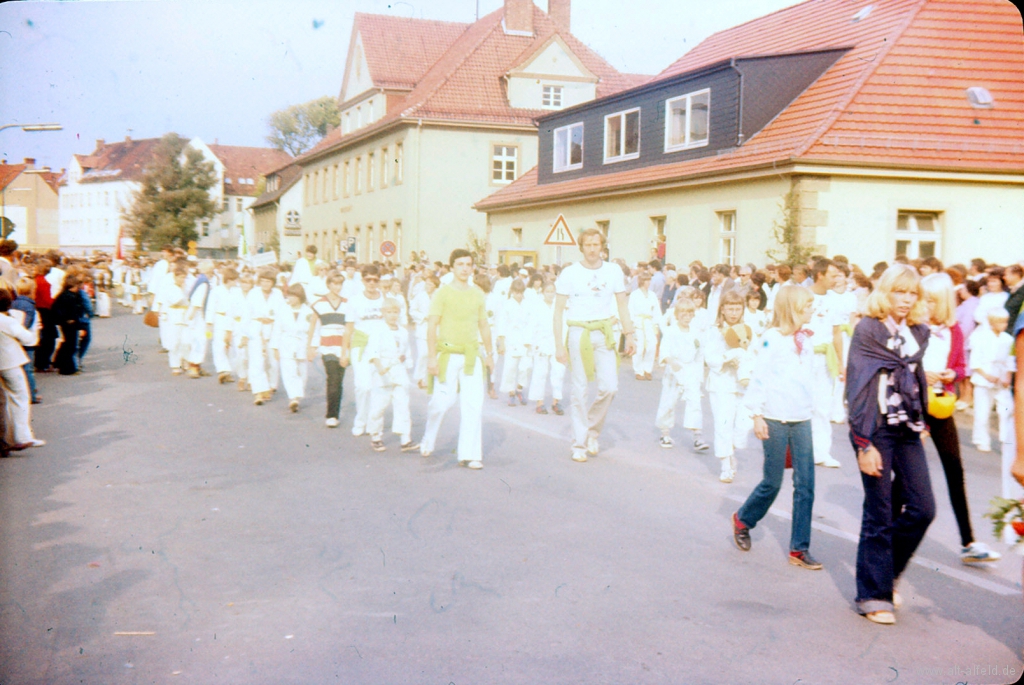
(739, 105)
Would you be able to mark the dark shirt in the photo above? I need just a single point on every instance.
(69, 308)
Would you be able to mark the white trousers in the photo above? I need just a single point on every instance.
(984, 399)
(221, 351)
(264, 370)
(469, 391)
(646, 344)
(730, 421)
(293, 376)
(197, 340)
(178, 344)
(515, 373)
(672, 393)
(542, 364)
(239, 357)
(362, 374)
(588, 421)
(821, 414)
(420, 370)
(19, 406)
(165, 332)
(398, 397)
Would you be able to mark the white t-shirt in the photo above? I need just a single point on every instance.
(824, 318)
(591, 292)
(365, 313)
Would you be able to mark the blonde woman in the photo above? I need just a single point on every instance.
(886, 392)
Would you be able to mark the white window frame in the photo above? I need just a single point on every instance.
(914, 236)
(622, 156)
(687, 144)
(502, 159)
(551, 96)
(567, 165)
(399, 163)
(727, 235)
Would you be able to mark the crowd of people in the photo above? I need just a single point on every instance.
(785, 353)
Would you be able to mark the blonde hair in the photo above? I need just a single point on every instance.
(896, 277)
(789, 301)
(391, 304)
(684, 304)
(729, 297)
(938, 287)
(25, 286)
(587, 233)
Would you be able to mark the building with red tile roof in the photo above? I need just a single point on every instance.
(28, 204)
(435, 115)
(910, 142)
(277, 214)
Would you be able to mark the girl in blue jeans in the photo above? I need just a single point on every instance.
(780, 399)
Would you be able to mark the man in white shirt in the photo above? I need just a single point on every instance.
(353, 284)
(827, 338)
(302, 272)
(589, 295)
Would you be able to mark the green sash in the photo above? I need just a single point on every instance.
(587, 346)
(831, 357)
(470, 351)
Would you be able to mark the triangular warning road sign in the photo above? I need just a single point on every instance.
(560, 233)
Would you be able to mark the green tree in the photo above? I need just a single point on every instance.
(786, 232)
(174, 197)
(297, 128)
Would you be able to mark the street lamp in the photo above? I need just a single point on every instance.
(34, 127)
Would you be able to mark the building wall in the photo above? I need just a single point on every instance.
(33, 206)
(90, 213)
(291, 245)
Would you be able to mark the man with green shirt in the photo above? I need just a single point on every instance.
(459, 346)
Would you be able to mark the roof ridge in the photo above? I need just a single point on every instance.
(840, 106)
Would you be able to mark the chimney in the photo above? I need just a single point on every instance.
(30, 162)
(100, 143)
(559, 10)
(519, 16)
(127, 139)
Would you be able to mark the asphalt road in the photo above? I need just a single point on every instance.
(170, 532)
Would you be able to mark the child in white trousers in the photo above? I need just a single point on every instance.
(544, 362)
(290, 341)
(388, 354)
(991, 369)
(645, 311)
(724, 386)
(514, 342)
(684, 370)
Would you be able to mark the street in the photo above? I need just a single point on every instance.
(170, 531)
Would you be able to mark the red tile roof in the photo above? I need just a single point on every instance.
(9, 172)
(897, 98)
(247, 163)
(122, 161)
(465, 83)
(399, 50)
(52, 179)
(288, 176)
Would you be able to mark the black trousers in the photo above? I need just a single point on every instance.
(67, 356)
(47, 339)
(335, 376)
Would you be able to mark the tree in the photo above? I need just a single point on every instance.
(174, 197)
(297, 128)
(786, 233)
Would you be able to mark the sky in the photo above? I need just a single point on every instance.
(216, 69)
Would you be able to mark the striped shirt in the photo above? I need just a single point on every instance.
(330, 329)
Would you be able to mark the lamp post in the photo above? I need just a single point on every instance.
(30, 128)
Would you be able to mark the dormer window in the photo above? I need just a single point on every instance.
(568, 148)
(622, 136)
(686, 120)
(551, 97)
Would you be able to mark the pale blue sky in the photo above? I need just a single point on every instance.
(217, 68)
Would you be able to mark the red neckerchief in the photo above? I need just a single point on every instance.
(799, 336)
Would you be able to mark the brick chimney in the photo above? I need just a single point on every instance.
(100, 143)
(519, 16)
(559, 10)
(30, 162)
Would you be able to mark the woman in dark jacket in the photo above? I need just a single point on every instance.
(887, 395)
(68, 312)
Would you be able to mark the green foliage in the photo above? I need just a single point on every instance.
(480, 247)
(1003, 511)
(297, 128)
(786, 232)
(174, 197)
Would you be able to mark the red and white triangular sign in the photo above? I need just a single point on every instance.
(560, 233)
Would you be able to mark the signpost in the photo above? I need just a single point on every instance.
(350, 245)
(558, 236)
(388, 248)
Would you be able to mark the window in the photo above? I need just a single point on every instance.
(399, 164)
(226, 205)
(325, 196)
(383, 167)
(622, 136)
(369, 112)
(686, 121)
(206, 228)
(727, 237)
(398, 240)
(568, 148)
(316, 185)
(334, 181)
(551, 96)
(603, 226)
(359, 116)
(359, 175)
(918, 235)
(503, 163)
(371, 171)
(517, 236)
(238, 204)
(348, 123)
(345, 176)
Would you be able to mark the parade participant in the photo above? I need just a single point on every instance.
(394, 291)
(362, 318)
(494, 301)
(13, 336)
(290, 342)
(328, 338)
(456, 332)
(515, 342)
(644, 311)
(388, 354)
(261, 306)
(302, 271)
(886, 393)
(419, 312)
(827, 340)
(683, 359)
(160, 276)
(943, 366)
(353, 280)
(588, 295)
(780, 399)
(994, 297)
(719, 283)
(544, 362)
(844, 308)
(195, 319)
(172, 307)
(219, 324)
(992, 365)
(726, 382)
(756, 318)
(1017, 467)
(237, 309)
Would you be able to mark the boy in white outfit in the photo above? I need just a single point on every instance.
(514, 342)
(236, 314)
(220, 324)
(261, 306)
(827, 339)
(362, 319)
(991, 368)
(684, 370)
(645, 311)
(290, 341)
(195, 319)
(173, 305)
(388, 354)
(543, 316)
(419, 312)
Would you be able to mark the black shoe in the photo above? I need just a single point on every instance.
(740, 534)
(804, 560)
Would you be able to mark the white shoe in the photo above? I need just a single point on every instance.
(727, 475)
(331, 423)
(578, 455)
(356, 432)
(666, 442)
(983, 449)
(828, 462)
(592, 446)
(977, 553)
(475, 465)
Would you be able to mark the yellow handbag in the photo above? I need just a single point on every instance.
(941, 405)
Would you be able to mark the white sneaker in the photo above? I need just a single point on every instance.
(828, 462)
(726, 475)
(977, 553)
(356, 432)
(982, 448)
(592, 446)
(666, 442)
(579, 455)
(475, 465)
(331, 423)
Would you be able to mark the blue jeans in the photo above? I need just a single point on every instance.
(30, 371)
(797, 436)
(887, 541)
